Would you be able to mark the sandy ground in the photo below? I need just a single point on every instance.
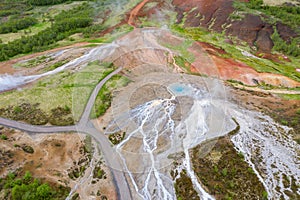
(53, 158)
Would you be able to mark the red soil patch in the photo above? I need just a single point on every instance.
(203, 12)
(209, 63)
(134, 12)
(212, 49)
(215, 15)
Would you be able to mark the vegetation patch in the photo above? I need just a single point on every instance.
(109, 37)
(98, 172)
(61, 116)
(289, 96)
(65, 24)
(46, 2)
(32, 114)
(17, 24)
(288, 116)
(68, 90)
(291, 48)
(285, 13)
(75, 196)
(183, 63)
(236, 130)
(184, 187)
(10, 7)
(88, 146)
(27, 149)
(57, 20)
(55, 65)
(32, 62)
(116, 138)
(104, 97)
(27, 187)
(182, 49)
(78, 169)
(224, 172)
(27, 112)
(3, 137)
(103, 101)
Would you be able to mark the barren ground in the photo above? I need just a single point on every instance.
(55, 156)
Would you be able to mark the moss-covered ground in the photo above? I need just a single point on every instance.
(184, 188)
(223, 171)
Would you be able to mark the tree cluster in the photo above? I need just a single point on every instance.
(28, 188)
(65, 24)
(280, 45)
(10, 7)
(287, 14)
(17, 24)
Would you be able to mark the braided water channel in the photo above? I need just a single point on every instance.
(268, 149)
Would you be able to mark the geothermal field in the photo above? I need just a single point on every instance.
(150, 100)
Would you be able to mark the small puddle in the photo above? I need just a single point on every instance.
(180, 89)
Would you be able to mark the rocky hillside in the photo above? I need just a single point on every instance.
(249, 20)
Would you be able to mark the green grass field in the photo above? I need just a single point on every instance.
(43, 14)
(289, 96)
(104, 97)
(26, 32)
(68, 88)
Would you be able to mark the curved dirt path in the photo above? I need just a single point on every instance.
(86, 113)
(86, 126)
(134, 13)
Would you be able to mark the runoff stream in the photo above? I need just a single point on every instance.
(8, 82)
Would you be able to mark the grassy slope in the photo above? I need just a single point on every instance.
(104, 97)
(43, 14)
(63, 89)
(261, 65)
(106, 14)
